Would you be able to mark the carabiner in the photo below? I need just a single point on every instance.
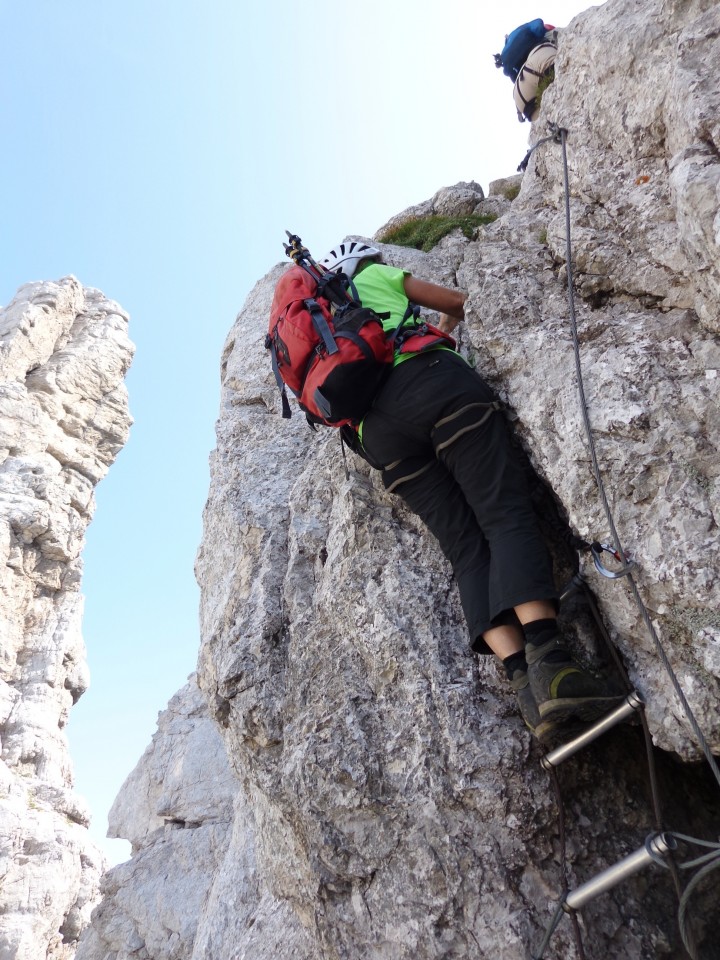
(597, 550)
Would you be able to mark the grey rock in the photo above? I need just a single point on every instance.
(191, 887)
(64, 353)
(390, 802)
(459, 200)
(507, 187)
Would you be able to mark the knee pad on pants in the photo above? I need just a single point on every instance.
(467, 418)
(403, 470)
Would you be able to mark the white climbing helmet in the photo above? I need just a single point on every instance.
(346, 256)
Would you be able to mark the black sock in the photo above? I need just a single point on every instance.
(516, 661)
(541, 631)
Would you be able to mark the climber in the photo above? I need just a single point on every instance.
(527, 59)
(435, 432)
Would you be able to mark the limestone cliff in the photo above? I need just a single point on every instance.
(64, 416)
(193, 853)
(390, 803)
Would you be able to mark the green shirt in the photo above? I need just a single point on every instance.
(382, 288)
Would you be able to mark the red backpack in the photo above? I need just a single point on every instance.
(325, 346)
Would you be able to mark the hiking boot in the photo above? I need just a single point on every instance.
(543, 730)
(563, 691)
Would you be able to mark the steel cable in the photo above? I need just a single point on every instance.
(710, 861)
(683, 897)
(601, 486)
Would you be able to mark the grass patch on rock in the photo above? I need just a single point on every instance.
(423, 233)
(543, 85)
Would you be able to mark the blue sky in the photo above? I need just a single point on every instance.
(158, 150)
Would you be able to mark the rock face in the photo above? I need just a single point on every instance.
(391, 803)
(176, 810)
(64, 353)
(644, 186)
(193, 854)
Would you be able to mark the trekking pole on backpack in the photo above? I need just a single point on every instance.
(329, 350)
(301, 255)
(333, 286)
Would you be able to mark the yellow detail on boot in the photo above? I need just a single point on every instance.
(558, 678)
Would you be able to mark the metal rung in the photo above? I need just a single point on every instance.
(657, 845)
(632, 702)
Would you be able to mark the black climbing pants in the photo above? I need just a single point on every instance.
(436, 429)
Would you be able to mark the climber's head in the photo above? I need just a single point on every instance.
(348, 256)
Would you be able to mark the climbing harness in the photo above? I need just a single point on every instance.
(660, 846)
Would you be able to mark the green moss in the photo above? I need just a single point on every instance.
(692, 471)
(542, 236)
(692, 620)
(512, 192)
(424, 233)
(543, 85)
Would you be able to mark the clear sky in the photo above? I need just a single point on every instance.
(158, 150)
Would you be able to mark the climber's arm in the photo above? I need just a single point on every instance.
(450, 303)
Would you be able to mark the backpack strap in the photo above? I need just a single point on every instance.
(398, 336)
(432, 336)
(321, 325)
(535, 73)
(358, 341)
(332, 286)
(270, 345)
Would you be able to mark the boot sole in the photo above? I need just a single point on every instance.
(584, 709)
(546, 732)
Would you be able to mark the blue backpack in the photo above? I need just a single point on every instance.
(518, 45)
